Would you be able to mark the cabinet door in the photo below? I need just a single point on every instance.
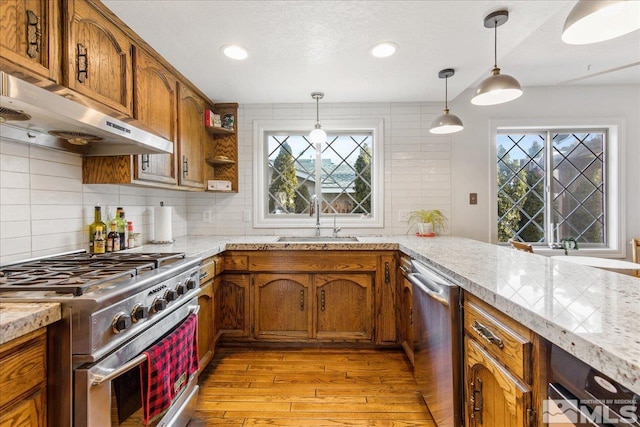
(29, 411)
(282, 306)
(98, 57)
(344, 309)
(205, 324)
(155, 104)
(494, 396)
(231, 299)
(191, 134)
(406, 316)
(29, 38)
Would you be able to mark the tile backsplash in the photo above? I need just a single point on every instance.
(45, 208)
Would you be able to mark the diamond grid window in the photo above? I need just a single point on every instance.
(340, 174)
(550, 185)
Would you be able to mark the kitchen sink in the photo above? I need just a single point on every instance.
(312, 239)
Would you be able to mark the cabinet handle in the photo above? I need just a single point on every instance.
(203, 275)
(411, 316)
(387, 274)
(34, 34)
(322, 300)
(302, 300)
(83, 63)
(486, 333)
(476, 400)
(145, 162)
(185, 166)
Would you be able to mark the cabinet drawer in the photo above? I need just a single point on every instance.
(27, 412)
(236, 262)
(506, 340)
(210, 268)
(23, 367)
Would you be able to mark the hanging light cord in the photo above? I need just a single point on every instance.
(317, 112)
(446, 93)
(495, 43)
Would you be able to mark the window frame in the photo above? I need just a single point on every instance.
(615, 226)
(261, 217)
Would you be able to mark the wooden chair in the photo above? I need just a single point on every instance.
(635, 254)
(525, 247)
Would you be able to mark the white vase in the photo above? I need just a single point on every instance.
(425, 228)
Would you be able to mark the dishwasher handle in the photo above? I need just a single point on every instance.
(429, 287)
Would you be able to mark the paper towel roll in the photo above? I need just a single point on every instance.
(162, 224)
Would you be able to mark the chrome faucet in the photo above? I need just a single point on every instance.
(336, 229)
(315, 205)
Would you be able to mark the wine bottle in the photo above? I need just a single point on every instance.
(98, 241)
(121, 225)
(97, 221)
(113, 239)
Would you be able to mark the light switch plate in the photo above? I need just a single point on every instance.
(206, 216)
(403, 216)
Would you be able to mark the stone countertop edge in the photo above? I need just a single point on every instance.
(497, 274)
(18, 319)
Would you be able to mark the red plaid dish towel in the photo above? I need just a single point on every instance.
(170, 363)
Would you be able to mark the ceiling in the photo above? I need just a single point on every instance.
(297, 47)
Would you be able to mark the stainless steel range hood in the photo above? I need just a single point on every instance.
(29, 113)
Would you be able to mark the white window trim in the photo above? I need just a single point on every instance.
(615, 183)
(260, 218)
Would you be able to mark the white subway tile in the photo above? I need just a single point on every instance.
(14, 148)
(14, 179)
(44, 167)
(57, 156)
(15, 245)
(12, 229)
(50, 197)
(12, 163)
(43, 182)
(14, 196)
(15, 212)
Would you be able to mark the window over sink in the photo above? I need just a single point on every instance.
(558, 182)
(345, 174)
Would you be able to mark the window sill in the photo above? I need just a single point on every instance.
(595, 252)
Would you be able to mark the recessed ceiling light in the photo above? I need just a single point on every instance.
(235, 52)
(383, 50)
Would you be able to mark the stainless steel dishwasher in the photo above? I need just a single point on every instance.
(437, 351)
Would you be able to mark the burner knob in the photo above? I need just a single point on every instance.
(159, 304)
(181, 289)
(170, 295)
(139, 312)
(191, 284)
(121, 322)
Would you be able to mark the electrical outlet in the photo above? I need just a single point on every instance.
(246, 216)
(473, 198)
(206, 216)
(403, 216)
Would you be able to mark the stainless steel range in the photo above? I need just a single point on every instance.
(114, 307)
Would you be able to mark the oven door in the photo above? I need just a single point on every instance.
(562, 409)
(107, 393)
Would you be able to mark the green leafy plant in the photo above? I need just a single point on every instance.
(568, 243)
(433, 216)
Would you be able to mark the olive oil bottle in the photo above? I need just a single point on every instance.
(97, 221)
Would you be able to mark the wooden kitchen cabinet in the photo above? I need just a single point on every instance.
(155, 104)
(23, 380)
(98, 59)
(232, 309)
(206, 313)
(282, 306)
(30, 38)
(191, 136)
(385, 300)
(405, 316)
(344, 306)
(221, 149)
(505, 368)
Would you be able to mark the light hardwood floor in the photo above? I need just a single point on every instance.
(309, 387)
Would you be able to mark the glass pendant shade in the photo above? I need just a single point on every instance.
(446, 123)
(497, 89)
(595, 21)
(318, 136)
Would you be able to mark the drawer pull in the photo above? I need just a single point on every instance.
(486, 333)
(302, 300)
(185, 166)
(83, 63)
(203, 275)
(34, 34)
(145, 162)
(322, 300)
(387, 273)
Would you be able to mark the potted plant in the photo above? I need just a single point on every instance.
(568, 243)
(427, 221)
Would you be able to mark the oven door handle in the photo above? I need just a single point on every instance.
(99, 379)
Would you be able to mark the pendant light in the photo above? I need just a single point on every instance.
(446, 123)
(317, 135)
(498, 88)
(598, 20)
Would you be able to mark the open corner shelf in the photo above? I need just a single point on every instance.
(214, 161)
(216, 130)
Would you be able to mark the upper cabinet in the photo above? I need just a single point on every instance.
(29, 30)
(98, 57)
(155, 103)
(221, 151)
(191, 135)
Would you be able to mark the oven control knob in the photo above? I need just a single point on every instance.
(121, 322)
(139, 312)
(170, 295)
(159, 304)
(181, 289)
(191, 284)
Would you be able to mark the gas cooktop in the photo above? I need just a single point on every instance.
(75, 273)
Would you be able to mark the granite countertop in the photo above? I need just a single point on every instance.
(17, 319)
(593, 314)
